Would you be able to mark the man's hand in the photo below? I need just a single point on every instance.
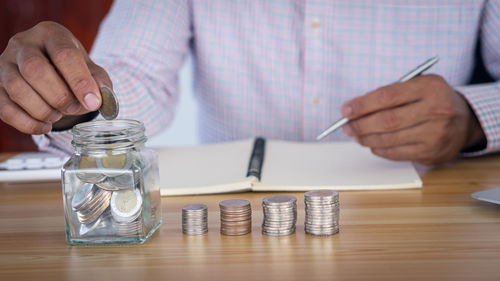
(423, 120)
(46, 75)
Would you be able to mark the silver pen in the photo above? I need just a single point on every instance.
(417, 71)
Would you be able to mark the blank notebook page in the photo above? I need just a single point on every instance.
(205, 165)
(336, 164)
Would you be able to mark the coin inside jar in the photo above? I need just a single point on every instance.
(82, 194)
(89, 202)
(114, 164)
(126, 205)
(117, 161)
(109, 107)
(88, 172)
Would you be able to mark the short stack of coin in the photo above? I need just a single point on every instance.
(322, 212)
(280, 215)
(235, 216)
(194, 219)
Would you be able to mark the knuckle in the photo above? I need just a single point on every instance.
(80, 85)
(32, 66)
(16, 41)
(387, 95)
(15, 87)
(63, 54)
(7, 112)
(62, 101)
(389, 120)
(45, 27)
(43, 114)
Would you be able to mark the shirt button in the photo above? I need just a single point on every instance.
(315, 101)
(316, 23)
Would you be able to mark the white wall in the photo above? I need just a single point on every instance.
(183, 129)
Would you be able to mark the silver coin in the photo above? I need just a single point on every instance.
(82, 195)
(87, 170)
(114, 165)
(94, 207)
(321, 193)
(279, 200)
(109, 107)
(194, 207)
(126, 205)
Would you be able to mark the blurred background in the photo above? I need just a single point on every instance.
(82, 18)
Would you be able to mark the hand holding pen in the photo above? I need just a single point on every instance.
(422, 120)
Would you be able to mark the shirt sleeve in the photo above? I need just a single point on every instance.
(142, 45)
(484, 99)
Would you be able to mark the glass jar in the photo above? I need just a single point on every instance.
(111, 189)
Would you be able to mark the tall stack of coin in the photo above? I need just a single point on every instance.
(235, 216)
(280, 215)
(194, 219)
(322, 212)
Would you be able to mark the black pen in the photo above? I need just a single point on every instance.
(257, 158)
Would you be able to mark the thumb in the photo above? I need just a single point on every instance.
(100, 75)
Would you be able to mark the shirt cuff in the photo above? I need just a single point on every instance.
(484, 99)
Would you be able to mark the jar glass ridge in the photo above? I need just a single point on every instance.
(110, 184)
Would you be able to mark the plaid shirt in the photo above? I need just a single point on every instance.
(282, 69)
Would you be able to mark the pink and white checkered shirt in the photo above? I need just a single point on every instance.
(282, 69)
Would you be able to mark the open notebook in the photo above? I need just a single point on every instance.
(286, 166)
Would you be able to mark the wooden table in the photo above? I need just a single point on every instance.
(435, 233)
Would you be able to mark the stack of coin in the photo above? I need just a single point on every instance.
(89, 202)
(322, 212)
(194, 219)
(235, 216)
(280, 215)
